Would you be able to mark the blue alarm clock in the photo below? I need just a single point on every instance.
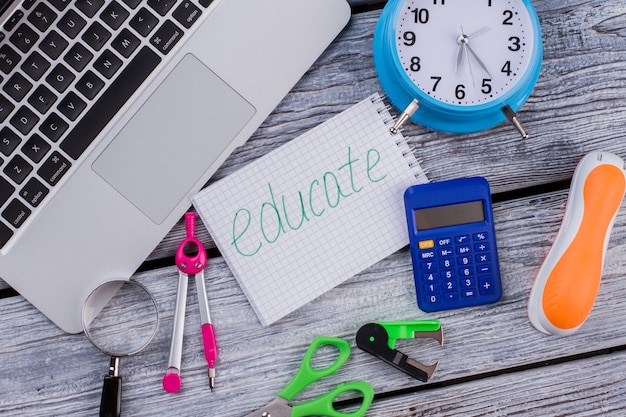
(458, 66)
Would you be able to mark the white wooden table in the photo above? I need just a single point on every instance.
(493, 362)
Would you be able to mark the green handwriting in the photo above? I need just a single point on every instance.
(276, 215)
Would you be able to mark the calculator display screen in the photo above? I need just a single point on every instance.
(450, 215)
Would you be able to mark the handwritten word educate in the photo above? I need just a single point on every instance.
(280, 214)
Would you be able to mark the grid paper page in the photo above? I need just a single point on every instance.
(314, 212)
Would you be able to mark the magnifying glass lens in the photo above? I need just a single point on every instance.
(120, 317)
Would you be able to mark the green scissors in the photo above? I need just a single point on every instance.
(322, 405)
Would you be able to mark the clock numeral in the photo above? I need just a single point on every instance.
(506, 68)
(486, 86)
(459, 92)
(421, 15)
(416, 64)
(409, 38)
(443, 2)
(516, 46)
(437, 79)
(508, 16)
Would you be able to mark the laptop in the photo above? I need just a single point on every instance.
(114, 112)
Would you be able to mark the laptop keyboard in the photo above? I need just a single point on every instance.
(66, 68)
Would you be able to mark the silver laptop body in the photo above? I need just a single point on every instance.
(79, 207)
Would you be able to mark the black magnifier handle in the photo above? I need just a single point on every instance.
(111, 402)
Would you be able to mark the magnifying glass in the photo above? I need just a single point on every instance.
(120, 318)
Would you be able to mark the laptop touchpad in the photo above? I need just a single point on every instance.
(173, 139)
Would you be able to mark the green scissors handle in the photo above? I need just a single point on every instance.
(306, 375)
(323, 405)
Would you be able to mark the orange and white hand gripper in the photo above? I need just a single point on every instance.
(567, 284)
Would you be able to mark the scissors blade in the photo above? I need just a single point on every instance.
(277, 408)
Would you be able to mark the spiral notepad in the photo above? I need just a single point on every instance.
(314, 212)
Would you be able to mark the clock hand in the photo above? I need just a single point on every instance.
(481, 63)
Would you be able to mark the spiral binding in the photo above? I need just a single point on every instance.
(401, 142)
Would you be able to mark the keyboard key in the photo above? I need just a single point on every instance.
(42, 99)
(24, 120)
(89, 7)
(6, 190)
(132, 3)
(205, 3)
(35, 65)
(8, 142)
(6, 107)
(107, 64)
(17, 86)
(34, 192)
(60, 4)
(9, 58)
(42, 16)
(166, 37)
(55, 167)
(53, 44)
(78, 57)
(60, 78)
(24, 38)
(144, 22)
(17, 169)
(114, 15)
(187, 14)
(5, 234)
(13, 20)
(16, 213)
(27, 4)
(161, 6)
(53, 127)
(96, 36)
(103, 110)
(36, 148)
(125, 43)
(71, 106)
(71, 24)
(89, 85)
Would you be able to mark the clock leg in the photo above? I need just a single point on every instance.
(510, 114)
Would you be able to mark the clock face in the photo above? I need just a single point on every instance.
(464, 52)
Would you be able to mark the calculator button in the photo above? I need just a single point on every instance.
(429, 277)
(429, 266)
(480, 236)
(433, 298)
(450, 285)
(470, 293)
(426, 244)
(446, 252)
(427, 254)
(484, 269)
(446, 263)
(465, 272)
(486, 285)
(461, 239)
(451, 296)
(463, 250)
(480, 247)
(468, 282)
(448, 274)
(464, 260)
(446, 241)
(483, 258)
(431, 288)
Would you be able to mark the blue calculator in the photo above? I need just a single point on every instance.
(453, 244)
